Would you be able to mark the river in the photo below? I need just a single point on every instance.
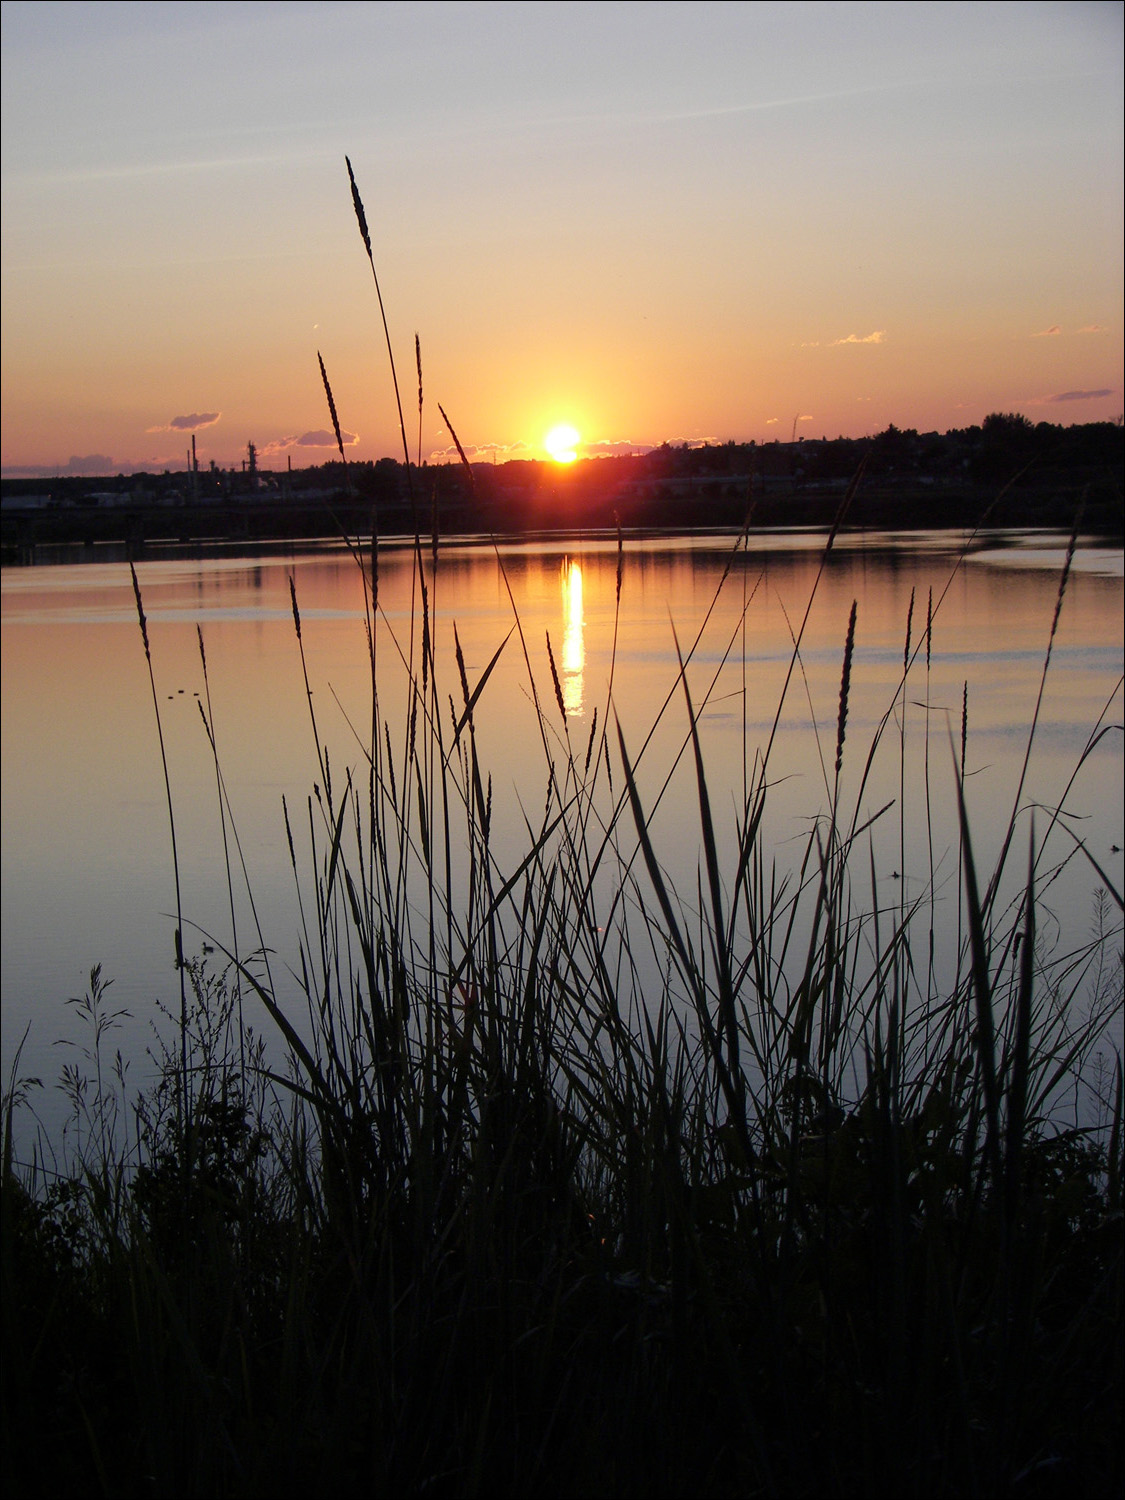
(87, 864)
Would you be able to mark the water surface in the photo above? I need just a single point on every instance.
(87, 868)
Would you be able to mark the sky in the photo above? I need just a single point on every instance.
(651, 222)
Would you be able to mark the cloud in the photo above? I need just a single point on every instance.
(193, 421)
(852, 338)
(1092, 328)
(77, 464)
(480, 452)
(1048, 333)
(95, 465)
(1079, 396)
(613, 448)
(91, 463)
(320, 437)
(772, 421)
(451, 456)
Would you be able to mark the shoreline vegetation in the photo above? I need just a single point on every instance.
(499, 1215)
(569, 1183)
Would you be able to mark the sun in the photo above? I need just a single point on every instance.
(562, 443)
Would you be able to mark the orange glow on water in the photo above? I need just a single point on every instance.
(574, 645)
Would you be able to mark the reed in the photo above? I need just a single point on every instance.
(185, 1097)
(571, 1183)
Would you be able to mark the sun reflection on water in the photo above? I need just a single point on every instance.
(573, 647)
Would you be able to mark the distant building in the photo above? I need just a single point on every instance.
(28, 502)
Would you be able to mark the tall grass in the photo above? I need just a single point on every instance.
(568, 1182)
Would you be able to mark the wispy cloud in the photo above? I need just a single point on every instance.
(125, 171)
(482, 452)
(89, 464)
(320, 437)
(877, 337)
(192, 421)
(1055, 331)
(599, 448)
(756, 106)
(451, 456)
(614, 447)
(1079, 396)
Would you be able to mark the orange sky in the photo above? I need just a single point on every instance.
(653, 222)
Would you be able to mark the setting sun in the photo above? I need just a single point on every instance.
(561, 443)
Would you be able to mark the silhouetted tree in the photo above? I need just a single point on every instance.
(1008, 443)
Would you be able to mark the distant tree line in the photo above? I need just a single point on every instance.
(1038, 473)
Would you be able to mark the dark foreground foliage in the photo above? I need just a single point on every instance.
(858, 1311)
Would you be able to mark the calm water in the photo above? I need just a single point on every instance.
(87, 871)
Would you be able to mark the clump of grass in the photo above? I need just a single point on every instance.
(509, 1216)
(566, 1183)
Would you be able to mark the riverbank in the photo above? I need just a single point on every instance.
(1006, 472)
(135, 526)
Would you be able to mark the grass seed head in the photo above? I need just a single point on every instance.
(845, 687)
(140, 611)
(357, 203)
(555, 679)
